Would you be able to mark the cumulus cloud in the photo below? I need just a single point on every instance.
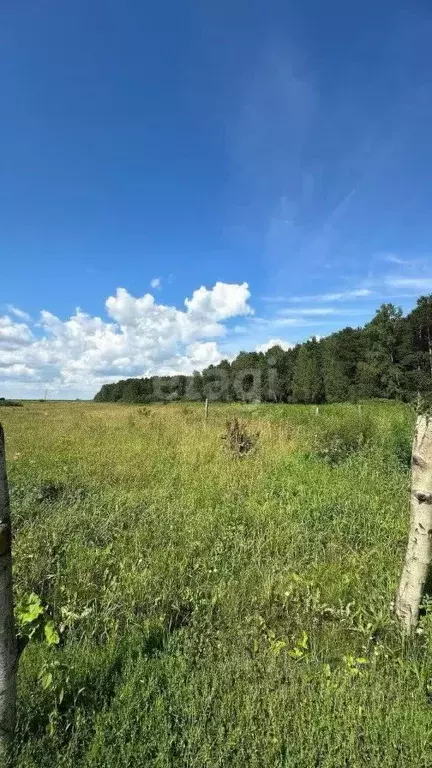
(140, 337)
(13, 334)
(274, 343)
(223, 301)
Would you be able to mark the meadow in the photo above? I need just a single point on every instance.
(186, 607)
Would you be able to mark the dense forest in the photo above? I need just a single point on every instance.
(390, 357)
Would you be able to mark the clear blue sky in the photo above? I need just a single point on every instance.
(283, 145)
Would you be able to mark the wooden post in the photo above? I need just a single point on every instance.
(419, 550)
(317, 411)
(8, 643)
(206, 406)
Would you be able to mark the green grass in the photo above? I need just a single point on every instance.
(215, 611)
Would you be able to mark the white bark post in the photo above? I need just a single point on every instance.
(206, 409)
(8, 644)
(419, 550)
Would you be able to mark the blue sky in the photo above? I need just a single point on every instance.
(285, 146)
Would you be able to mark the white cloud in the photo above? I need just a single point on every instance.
(223, 301)
(156, 282)
(393, 259)
(75, 356)
(417, 284)
(202, 354)
(19, 313)
(358, 293)
(274, 343)
(13, 334)
(304, 311)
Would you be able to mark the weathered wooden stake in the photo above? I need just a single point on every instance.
(206, 409)
(317, 411)
(8, 643)
(419, 550)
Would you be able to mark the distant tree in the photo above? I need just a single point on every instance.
(418, 348)
(194, 387)
(247, 376)
(380, 374)
(342, 352)
(104, 395)
(217, 384)
(131, 391)
(278, 371)
(308, 382)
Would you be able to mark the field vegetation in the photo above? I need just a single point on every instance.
(187, 604)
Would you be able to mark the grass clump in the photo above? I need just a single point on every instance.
(337, 439)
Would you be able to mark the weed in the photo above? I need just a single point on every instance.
(238, 441)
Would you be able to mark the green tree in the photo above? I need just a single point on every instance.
(308, 382)
(341, 354)
(380, 373)
(418, 348)
(247, 376)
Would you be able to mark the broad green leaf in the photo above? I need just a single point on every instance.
(51, 635)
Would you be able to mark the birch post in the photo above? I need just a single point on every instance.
(8, 644)
(206, 406)
(419, 550)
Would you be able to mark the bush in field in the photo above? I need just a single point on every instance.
(336, 439)
(9, 403)
(237, 440)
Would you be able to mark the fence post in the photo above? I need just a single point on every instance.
(206, 407)
(8, 643)
(419, 549)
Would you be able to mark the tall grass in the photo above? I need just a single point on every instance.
(212, 611)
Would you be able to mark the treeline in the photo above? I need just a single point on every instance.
(390, 357)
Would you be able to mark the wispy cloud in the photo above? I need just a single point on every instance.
(280, 322)
(391, 258)
(358, 293)
(156, 282)
(320, 311)
(307, 311)
(417, 284)
(18, 312)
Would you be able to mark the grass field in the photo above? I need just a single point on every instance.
(209, 610)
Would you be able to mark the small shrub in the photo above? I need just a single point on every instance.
(10, 403)
(336, 440)
(237, 440)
